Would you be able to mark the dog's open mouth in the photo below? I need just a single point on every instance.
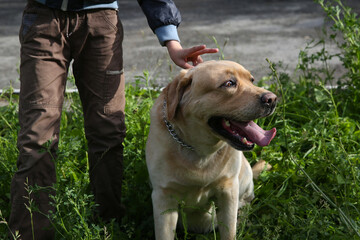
(242, 135)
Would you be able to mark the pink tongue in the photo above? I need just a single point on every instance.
(255, 133)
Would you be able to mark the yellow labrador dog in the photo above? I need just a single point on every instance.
(199, 125)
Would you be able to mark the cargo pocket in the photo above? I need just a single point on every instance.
(114, 95)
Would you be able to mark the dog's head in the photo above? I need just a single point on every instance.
(221, 96)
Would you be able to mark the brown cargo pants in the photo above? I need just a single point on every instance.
(50, 39)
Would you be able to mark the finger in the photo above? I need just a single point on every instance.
(204, 51)
(187, 66)
(183, 64)
(192, 50)
(197, 61)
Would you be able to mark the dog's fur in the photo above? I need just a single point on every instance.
(213, 170)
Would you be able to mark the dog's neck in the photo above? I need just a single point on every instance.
(172, 131)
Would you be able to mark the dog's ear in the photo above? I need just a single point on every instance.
(174, 92)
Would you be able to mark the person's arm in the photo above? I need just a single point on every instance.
(161, 15)
(164, 18)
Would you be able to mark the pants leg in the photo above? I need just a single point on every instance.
(95, 43)
(43, 72)
(98, 71)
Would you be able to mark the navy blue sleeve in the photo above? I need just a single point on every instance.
(160, 13)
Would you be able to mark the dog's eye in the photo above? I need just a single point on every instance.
(229, 83)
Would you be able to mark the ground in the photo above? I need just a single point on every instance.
(253, 30)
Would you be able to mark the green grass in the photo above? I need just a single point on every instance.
(312, 192)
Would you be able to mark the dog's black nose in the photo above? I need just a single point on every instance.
(269, 99)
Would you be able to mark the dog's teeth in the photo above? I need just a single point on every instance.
(227, 123)
(244, 140)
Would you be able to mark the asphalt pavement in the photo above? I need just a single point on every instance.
(248, 32)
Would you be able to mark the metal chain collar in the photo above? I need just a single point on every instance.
(172, 130)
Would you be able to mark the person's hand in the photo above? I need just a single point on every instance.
(181, 56)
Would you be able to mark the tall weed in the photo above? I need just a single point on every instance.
(346, 34)
(313, 189)
(8, 151)
(138, 222)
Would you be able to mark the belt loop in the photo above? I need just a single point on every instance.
(64, 5)
(67, 25)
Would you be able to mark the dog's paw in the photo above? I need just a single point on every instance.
(260, 166)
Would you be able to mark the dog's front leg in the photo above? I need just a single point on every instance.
(165, 215)
(227, 202)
